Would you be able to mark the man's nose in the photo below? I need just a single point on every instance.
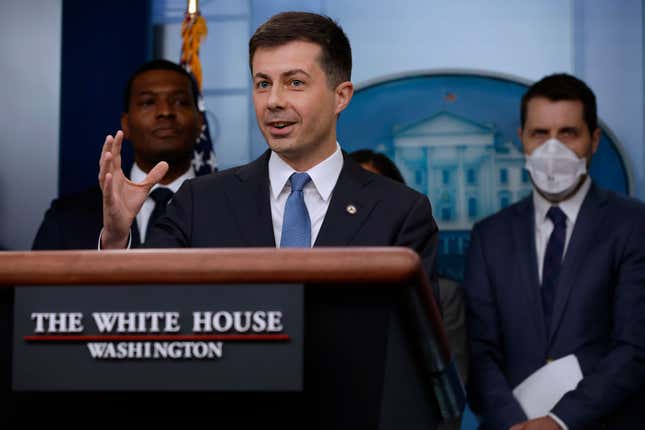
(165, 108)
(276, 98)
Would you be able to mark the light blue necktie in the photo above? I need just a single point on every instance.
(296, 225)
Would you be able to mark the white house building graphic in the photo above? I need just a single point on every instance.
(465, 168)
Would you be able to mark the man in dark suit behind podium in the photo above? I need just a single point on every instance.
(559, 277)
(161, 120)
(301, 65)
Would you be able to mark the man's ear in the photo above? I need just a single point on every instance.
(595, 140)
(344, 92)
(125, 125)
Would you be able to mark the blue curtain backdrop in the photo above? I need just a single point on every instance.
(102, 44)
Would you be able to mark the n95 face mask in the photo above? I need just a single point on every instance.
(555, 169)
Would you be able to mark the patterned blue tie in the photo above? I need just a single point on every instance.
(296, 225)
(553, 261)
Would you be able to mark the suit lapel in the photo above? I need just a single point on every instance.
(587, 223)
(524, 238)
(136, 236)
(341, 221)
(249, 199)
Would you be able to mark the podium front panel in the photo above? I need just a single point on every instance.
(162, 338)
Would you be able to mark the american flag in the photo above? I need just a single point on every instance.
(204, 161)
(193, 29)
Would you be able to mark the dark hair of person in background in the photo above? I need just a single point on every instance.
(336, 59)
(378, 163)
(559, 87)
(158, 65)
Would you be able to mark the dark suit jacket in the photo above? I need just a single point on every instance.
(599, 313)
(75, 222)
(451, 297)
(232, 209)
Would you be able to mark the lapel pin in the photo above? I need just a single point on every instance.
(351, 209)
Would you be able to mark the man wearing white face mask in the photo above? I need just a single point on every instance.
(556, 171)
(555, 284)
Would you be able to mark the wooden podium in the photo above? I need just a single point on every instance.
(375, 355)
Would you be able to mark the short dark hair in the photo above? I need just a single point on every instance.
(280, 29)
(159, 65)
(381, 163)
(562, 86)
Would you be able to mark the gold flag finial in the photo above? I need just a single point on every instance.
(193, 7)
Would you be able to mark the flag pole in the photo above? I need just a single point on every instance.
(193, 30)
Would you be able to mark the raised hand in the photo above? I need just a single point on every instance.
(122, 198)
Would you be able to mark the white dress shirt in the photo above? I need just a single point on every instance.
(544, 228)
(317, 193)
(138, 175)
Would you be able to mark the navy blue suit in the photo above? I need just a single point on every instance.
(75, 222)
(232, 209)
(598, 314)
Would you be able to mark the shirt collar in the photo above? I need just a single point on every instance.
(138, 175)
(570, 207)
(323, 175)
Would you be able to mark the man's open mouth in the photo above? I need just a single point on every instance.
(280, 124)
(280, 128)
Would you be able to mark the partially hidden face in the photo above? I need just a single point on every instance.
(162, 121)
(562, 120)
(295, 105)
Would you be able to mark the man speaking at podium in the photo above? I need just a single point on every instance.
(303, 191)
(555, 284)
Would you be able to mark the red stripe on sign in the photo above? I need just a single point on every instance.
(152, 337)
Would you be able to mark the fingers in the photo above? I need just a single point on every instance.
(156, 174)
(116, 150)
(105, 162)
(110, 161)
